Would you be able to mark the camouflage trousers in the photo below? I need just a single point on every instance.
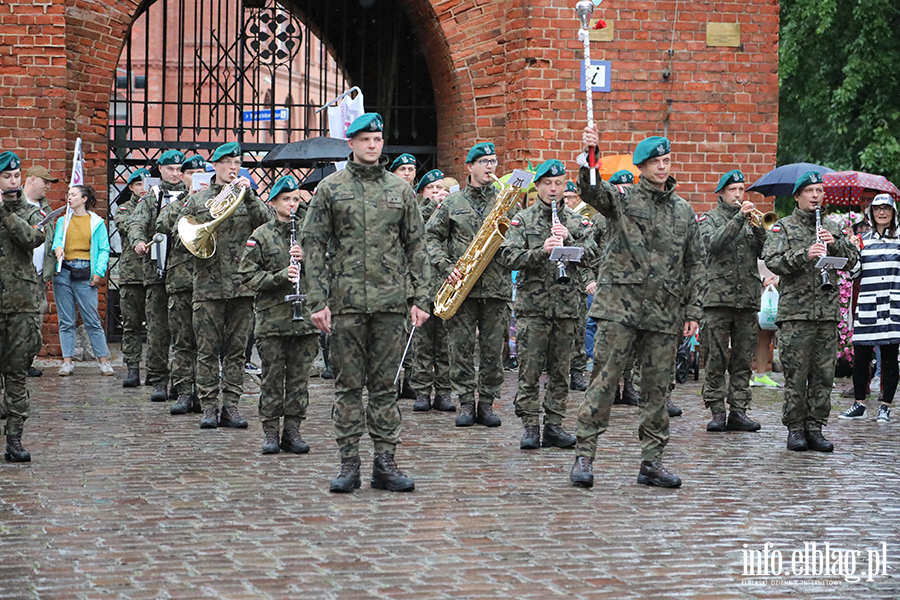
(20, 341)
(283, 388)
(490, 317)
(740, 326)
(808, 354)
(655, 355)
(184, 346)
(132, 302)
(579, 354)
(157, 334)
(365, 352)
(430, 357)
(544, 343)
(221, 328)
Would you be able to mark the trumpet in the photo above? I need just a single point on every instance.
(758, 218)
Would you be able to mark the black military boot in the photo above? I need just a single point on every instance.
(422, 403)
(182, 406)
(816, 441)
(133, 379)
(196, 407)
(466, 416)
(718, 421)
(630, 396)
(739, 421)
(328, 373)
(654, 473)
(582, 473)
(406, 390)
(617, 399)
(348, 478)
(484, 415)
(210, 419)
(577, 382)
(34, 372)
(442, 402)
(531, 439)
(270, 445)
(386, 475)
(14, 450)
(556, 437)
(292, 442)
(674, 411)
(230, 417)
(796, 441)
(159, 394)
(173, 392)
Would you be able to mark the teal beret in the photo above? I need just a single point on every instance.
(285, 184)
(9, 161)
(194, 162)
(570, 187)
(652, 147)
(139, 174)
(171, 157)
(231, 149)
(403, 159)
(550, 168)
(429, 177)
(367, 123)
(733, 176)
(808, 178)
(479, 150)
(622, 177)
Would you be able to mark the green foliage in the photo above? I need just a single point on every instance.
(839, 103)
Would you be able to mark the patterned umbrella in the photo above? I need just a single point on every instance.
(844, 187)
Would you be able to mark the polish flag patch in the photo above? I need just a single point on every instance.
(43, 214)
(585, 222)
(776, 229)
(515, 222)
(251, 243)
(701, 218)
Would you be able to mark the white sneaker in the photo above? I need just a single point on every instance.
(875, 383)
(66, 369)
(106, 369)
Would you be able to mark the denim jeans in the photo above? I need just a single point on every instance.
(67, 294)
(589, 332)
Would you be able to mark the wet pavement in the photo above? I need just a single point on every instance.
(124, 501)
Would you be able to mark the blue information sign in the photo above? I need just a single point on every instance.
(281, 114)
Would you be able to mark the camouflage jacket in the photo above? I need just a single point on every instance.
(427, 207)
(732, 250)
(264, 269)
(179, 262)
(362, 235)
(652, 266)
(49, 266)
(452, 227)
(21, 289)
(142, 225)
(131, 266)
(218, 277)
(801, 297)
(537, 292)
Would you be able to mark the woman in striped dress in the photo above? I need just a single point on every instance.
(877, 319)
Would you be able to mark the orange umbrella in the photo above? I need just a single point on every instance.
(619, 162)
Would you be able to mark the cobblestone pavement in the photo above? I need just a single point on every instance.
(124, 501)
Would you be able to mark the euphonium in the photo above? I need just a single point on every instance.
(479, 253)
(758, 218)
(199, 238)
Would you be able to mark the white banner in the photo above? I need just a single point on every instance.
(77, 166)
(341, 116)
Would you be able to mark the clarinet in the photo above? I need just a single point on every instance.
(297, 298)
(826, 284)
(561, 275)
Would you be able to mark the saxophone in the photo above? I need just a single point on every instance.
(479, 253)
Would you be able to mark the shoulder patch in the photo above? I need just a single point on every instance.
(701, 218)
(515, 221)
(440, 204)
(776, 229)
(251, 242)
(43, 214)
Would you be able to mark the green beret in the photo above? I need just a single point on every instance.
(9, 161)
(139, 174)
(550, 168)
(194, 162)
(403, 159)
(622, 177)
(285, 184)
(367, 123)
(570, 187)
(479, 150)
(171, 157)
(808, 178)
(231, 149)
(652, 147)
(733, 176)
(429, 177)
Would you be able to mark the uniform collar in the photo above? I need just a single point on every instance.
(172, 187)
(656, 195)
(367, 172)
(805, 216)
(484, 192)
(16, 202)
(728, 209)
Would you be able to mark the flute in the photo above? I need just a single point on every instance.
(561, 275)
(826, 284)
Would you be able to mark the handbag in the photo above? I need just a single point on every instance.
(768, 309)
(79, 273)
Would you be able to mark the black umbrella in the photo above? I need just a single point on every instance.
(781, 181)
(312, 152)
(312, 179)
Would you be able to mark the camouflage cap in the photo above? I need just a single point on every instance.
(403, 159)
(367, 123)
(808, 178)
(479, 150)
(622, 177)
(429, 177)
(550, 168)
(194, 162)
(139, 174)
(651, 147)
(170, 157)
(9, 161)
(733, 176)
(570, 187)
(231, 149)
(285, 184)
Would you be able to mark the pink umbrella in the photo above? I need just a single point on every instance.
(844, 187)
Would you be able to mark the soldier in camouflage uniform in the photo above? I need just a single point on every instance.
(578, 365)
(430, 352)
(454, 224)
(362, 236)
(404, 167)
(180, 289)
(286, 346)
(731, 304)
(132, 293)
(650, 276)
(20, 300)
(807, 315)
(222, 304)
(547, 311)
(141, 231)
